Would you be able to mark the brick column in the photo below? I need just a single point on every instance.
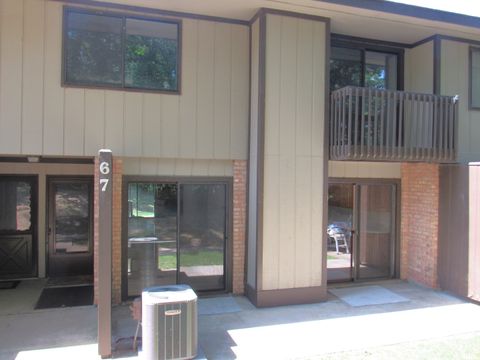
(116, 230)
(239, 224)
(419, 224)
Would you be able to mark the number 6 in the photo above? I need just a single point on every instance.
(105, 168)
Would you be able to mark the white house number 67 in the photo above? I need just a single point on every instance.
(104, 170)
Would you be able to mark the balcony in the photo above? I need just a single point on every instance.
(383, 125)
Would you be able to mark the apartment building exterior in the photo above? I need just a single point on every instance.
(259, 148)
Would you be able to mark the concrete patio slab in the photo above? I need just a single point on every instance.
(217, 305)
(301, 331)
(23, 298)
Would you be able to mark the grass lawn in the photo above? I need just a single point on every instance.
(462, 347)
(167, 262)
(145, 214)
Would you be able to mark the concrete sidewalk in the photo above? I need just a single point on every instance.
(302, 331)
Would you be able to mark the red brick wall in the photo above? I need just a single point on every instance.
(116, 230)
(419, 224)
(239, 224)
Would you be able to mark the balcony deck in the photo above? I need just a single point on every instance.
(382, 125)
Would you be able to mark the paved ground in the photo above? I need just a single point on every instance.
(328, 330)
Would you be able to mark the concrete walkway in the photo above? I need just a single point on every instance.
(302, 331)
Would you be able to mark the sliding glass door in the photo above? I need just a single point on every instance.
(339, 231)
(361, 231)
(177, 233)
(202, 236)
(376, 230)
(152, 235)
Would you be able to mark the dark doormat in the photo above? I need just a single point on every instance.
(65, 297)
(7, 285)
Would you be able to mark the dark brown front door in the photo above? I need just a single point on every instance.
(70, 227)
(17, 226)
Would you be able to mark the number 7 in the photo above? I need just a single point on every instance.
(104, 183)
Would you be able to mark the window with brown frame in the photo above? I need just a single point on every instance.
(475, 78)
(120, 51)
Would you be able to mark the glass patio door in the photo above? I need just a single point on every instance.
(177, 233)
(376, 231)
(340, 230)
(152, 235)
(361, 231)
(203, 236)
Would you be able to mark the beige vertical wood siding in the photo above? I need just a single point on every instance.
(176, 167)
(363, 169)
(42, 171)
(253, 157)
(294, 155)
(419, 68)
(38, 116)
(419, 79)
(454, 65)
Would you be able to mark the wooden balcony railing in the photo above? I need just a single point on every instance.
(382, 125)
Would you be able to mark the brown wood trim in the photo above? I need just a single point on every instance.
(446, 37)
(46, 160)
(247, 172)
(459, 39)
(104, 208)
(366, 41)
(294, 296)
(55, 160)
(255, 17)
(265, 11)
(326, 133)
(143, 9)
(423, 41)
(281, 297)
(251, 294)
(260, 148)
(177, 179)
(365, 181)
(470, 74)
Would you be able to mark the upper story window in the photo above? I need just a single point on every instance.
(475, 78)
(119, 51)
(356, 65)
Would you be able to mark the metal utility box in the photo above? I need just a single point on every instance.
(169, 322)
